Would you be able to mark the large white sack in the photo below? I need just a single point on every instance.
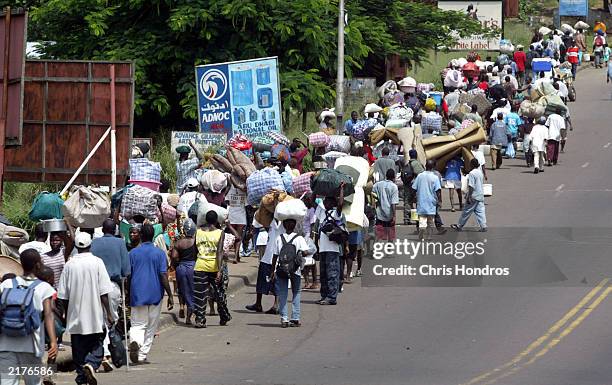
(189, 199)
(354, 166)
(581, 25)
(290, 209)
(354, 212)
(214, 180)
(205, 207)
(545, 30)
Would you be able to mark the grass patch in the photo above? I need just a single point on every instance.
(17, 202)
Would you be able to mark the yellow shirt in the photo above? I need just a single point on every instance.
(206, 242)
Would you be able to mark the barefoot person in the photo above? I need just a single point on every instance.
(184, 255)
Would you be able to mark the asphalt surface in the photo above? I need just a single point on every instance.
(423, 335)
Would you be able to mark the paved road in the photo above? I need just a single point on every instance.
(438, 336)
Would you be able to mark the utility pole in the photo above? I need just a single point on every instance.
(340, 76)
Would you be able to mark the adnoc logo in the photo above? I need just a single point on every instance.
(213, 84)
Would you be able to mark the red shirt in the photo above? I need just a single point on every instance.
(368, 151)
(299, 156)
(520, 58)
(572, 55)
(483, 86)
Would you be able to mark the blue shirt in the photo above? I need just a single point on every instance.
(147, 262)
(426, 185)
(499, 133)
(475, 181)
(113, 252)
(513, 121)
(453, 169)
(348, 126)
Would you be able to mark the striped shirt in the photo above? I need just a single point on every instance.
(55, 261)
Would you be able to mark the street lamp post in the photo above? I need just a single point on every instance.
(340, 75)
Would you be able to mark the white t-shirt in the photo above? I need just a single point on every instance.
(538, 136)
(555, 124)
(504, 110)
(236, 209)
(83, 281)
(41, 247)
(325, 245)
(34, 343)
(262, 238)
(276, 229)
(299, 242)
(563, 91)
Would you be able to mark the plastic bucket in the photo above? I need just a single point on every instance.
(413, 215)
(150, 184)
(487, 189)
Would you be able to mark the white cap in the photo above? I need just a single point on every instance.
(82, 240)
(192, 183)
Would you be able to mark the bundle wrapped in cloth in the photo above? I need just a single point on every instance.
(480, 100)
(444, 148)
(137, 200)
(340, 143)
(301, 184)
(89, 207)
(531, 110)
(553, 105)
(261, 182)
(265, 213)
(381, 133)
(290, 209)
(318, 139)
(326, 182)
(213, 180)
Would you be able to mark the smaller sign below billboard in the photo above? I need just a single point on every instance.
(240, 97)
(148, 141)
(201, 140)
(573, 8)
(490, 15)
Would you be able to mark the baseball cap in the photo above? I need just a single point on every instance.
(82, 240)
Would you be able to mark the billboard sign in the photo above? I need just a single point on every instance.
(490, 15)
(240, 97)
(573, 8)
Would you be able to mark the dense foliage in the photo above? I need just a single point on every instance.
(166, 38)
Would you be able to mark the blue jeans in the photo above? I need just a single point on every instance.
(330, 275)
(87, 349)
(282, 290)
(474, 207)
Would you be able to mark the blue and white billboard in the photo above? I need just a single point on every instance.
(239, 97)
(573, 7)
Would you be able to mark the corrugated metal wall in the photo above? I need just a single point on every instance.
(66, 110)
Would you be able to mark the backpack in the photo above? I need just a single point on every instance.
(599, 41)
(18, 317)
(334, 231)
(288, 259)
(411, 170)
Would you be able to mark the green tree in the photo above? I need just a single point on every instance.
(166, 38)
